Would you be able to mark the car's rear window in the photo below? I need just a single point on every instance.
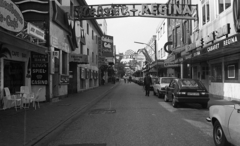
(189, 83)
(166, 80)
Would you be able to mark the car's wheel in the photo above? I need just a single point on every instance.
(165, 98)
(174, 102)
(159, 95)
(219, 136)
(204, 105)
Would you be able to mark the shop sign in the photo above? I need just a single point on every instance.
(196, 53)
(35, 32)
(11, 17)
(171, 64)
(39, 73)
(188, 56)
(221, 44)
(107, 45)
(39, 69)
(158, 10)
(64, 79)
(39, 57)
(78, 58)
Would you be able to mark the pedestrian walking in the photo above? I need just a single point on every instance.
(147, 83)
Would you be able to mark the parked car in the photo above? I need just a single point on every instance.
(160, 84)
(226, 124)
(186, 91)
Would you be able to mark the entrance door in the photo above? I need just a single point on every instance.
(14, 75)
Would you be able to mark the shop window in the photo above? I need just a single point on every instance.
(205, 72)
(231, 70)
(216, 72)
(195, 73)
(223, 5)
(56, 62)
(64, 62)
(205, 12)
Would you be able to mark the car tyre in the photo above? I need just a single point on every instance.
(174, 102)
(166, 98)
(219, 136)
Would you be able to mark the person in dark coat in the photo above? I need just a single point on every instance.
(147, 83)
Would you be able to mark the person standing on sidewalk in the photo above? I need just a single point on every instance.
(147, 83)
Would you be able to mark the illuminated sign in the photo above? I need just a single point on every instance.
(173, 11)
(11, 17)
(107, 45)
(35, 32)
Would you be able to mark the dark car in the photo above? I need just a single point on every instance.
(186, 91)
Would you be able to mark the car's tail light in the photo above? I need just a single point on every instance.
(204, 93)
(181, 93)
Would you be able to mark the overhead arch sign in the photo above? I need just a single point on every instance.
(172, 11)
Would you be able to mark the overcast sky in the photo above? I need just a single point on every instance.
(127, 30)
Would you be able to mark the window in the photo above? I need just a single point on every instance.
(223, 5)
(204, 72)
(64, 63)
(205, 12)
(81, 49)
(92, 57)
(231, 70)
(158, 35)
(216, 72)
(87, 51)
(92, 35)
(87, 28)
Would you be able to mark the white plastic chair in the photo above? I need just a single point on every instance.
(36, 98)
(12, 99)
(26, 95)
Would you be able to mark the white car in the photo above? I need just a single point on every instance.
(160, 84)
(226, 124)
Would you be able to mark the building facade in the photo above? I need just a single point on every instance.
(214, 52)
(23, 45)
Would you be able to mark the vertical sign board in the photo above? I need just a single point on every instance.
(39, 69)
(107, 45)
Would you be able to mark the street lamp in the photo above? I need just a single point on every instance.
(154, 50)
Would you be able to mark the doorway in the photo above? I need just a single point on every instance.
(14, 72)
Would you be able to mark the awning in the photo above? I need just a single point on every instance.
(78, 58)
(221, 48)
(20, 43)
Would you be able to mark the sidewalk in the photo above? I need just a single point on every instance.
(29, 126)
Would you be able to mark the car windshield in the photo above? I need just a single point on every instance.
(166, 80)
(189, 83)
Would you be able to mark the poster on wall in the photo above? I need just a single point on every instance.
(107, 46)
(82, 73)
(39, 69)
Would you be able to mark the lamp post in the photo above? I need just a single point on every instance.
(154, 50)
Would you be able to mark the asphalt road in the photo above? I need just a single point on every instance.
(126, 117)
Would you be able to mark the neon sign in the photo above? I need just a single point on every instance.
(173, 11)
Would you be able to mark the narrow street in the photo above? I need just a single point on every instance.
(126, 117)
